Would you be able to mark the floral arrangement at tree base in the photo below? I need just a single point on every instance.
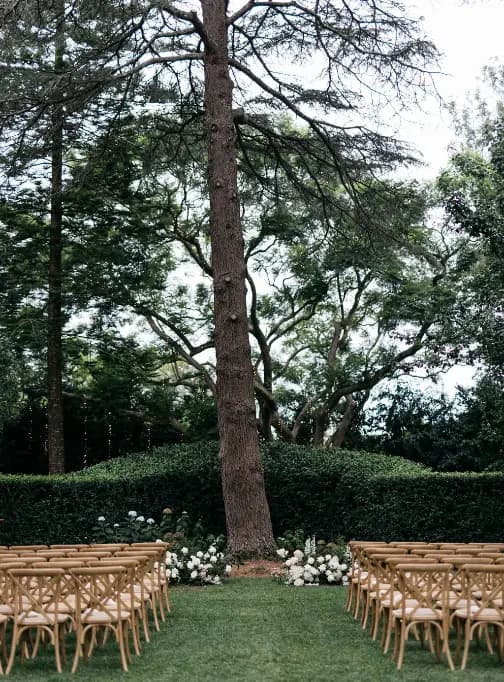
(310, 566)
(194, 558)
(208, 567)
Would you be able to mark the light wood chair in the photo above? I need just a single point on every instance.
(428, 585)
(100, 604)
(483, 589)
(37, 604)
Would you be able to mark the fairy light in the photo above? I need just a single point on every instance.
(85, 453)
(109, 436)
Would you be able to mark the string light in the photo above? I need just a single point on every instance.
(85, 453)
(109, 436)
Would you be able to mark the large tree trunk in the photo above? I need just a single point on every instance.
(247, 511)
(55, 435)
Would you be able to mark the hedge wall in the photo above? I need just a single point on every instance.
(329, 493)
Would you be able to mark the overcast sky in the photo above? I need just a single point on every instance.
(469, 34)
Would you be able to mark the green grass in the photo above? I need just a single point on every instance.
(256, 630)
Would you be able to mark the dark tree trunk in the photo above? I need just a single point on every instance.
(338, 438)
(247, 511)
(55, 435)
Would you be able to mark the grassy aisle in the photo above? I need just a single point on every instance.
(256, 630)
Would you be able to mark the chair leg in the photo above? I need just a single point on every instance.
(56, 637)
(15, 639)
(467, 641)
(402, 636)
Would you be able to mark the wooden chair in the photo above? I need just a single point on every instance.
(428, 585)
(100, 604)
(37, 603)
(483, 589)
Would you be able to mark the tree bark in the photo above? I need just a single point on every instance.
(55, 433)
(247, 512)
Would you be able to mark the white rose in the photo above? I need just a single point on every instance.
(150, 521)
(101, 519)
(282, 553)
(216, 580)
(330, 578)
(344, 580)
(298, 554)
(132, 514)
(308, 578)
(199, 555)
(322, 567)
(311, 560)
(194, 575)
(328, 557)
(296, 571)
(314, 570)
(320, 559)
(196, 561)
(206, 555)
(344, 567)
(299, 582)
(190, 565)
(116, 525)
(184, 550)
(140, 518)
(213, 559)
(174, 573)
(228, 569)
(212, 550)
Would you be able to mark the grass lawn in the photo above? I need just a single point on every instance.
(256, 630)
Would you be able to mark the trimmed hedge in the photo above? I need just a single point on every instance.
(326, 492)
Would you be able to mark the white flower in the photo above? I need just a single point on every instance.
(212, 550)
(101, 519)
(228, 569)
(206, 555)
(320, 559)
(282, 553)
(314, 570)
(328, 557)
(296, 571)
(174, 573)
(298, 554)
(116, 525)
(159, 540)
(308, 577)
(330, 578)
(216, 580)
(194, 575)
(344, 567)
(184, 550)
(334, 563)
(140, 518)
(344, 580)
(299, 582)
(322, 568)
(150, 520)
(196, 561)
(213, 559)
(311, 560)
(190, 565)
(132, 514)
(199, 555)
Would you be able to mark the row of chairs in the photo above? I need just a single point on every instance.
(46, 592)
(430, 589)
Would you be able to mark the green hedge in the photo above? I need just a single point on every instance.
(329, 493)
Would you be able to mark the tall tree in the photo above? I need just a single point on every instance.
(55, 430)
(247, 512)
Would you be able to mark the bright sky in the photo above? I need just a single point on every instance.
(469, 35)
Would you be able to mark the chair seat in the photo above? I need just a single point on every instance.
(33, 618)
(414, 613)
(6, 610)
(396, 600)
(97, 617)
(477, 613)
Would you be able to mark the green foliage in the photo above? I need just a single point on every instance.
(329, 493)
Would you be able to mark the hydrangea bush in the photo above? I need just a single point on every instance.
(208, 567)
(312, 566)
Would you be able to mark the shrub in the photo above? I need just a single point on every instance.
(329, 493)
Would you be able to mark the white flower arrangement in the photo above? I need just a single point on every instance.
(201, 568)
(306, 568)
